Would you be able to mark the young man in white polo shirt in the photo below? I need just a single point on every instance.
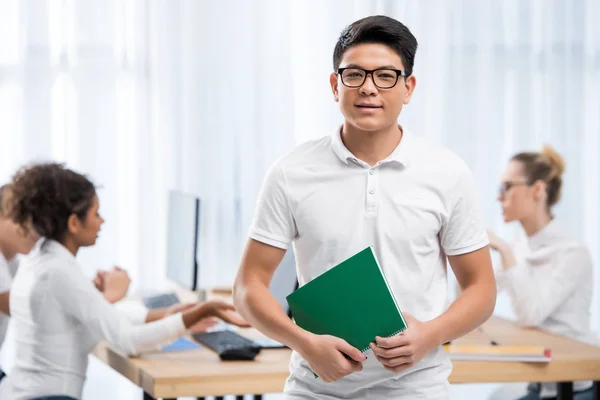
(372, 183)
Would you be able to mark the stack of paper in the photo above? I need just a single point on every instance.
(460, 352)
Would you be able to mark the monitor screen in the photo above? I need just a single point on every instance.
(284, 279)
(182, 239)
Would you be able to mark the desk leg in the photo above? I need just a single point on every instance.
(258, 397)
(596, 390)
(565, 391)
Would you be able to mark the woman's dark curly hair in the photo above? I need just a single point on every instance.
(44, 196)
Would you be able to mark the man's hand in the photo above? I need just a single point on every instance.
(400, 352)
(326, 356)
(115, 284)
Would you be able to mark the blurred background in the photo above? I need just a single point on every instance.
(202, 96)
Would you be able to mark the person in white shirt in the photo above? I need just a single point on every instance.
(548, 275)
(13, 241)
(58, 314)
(371, 183)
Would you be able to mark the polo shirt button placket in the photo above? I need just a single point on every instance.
(372, 192)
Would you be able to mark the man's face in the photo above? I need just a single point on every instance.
(368, 107)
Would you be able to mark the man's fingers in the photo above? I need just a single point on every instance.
(396, 362)
(356, 366)
(392, 352)
(392, 342)
(353, 352)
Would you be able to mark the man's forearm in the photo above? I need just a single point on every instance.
(256, 304)
(472, 307)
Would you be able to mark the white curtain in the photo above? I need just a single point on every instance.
(146, 96)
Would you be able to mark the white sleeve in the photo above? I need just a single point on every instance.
(534, 301)
(464, 230)
(273, 222)
(79, 298)
(135, 312)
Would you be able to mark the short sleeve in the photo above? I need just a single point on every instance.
(463, 231)
(273, 222)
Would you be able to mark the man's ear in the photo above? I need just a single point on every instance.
(333, 81)
(410, 84)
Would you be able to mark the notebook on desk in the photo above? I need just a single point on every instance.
(352, 301)
(504, 353)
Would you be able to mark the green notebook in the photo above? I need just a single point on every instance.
(352, 301)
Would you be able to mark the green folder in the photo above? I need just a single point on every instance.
(352, 301)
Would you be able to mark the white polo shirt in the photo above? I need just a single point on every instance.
(415, 207)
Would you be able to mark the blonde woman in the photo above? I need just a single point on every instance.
(548, 276)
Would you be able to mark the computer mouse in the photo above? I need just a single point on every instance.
(239, 354)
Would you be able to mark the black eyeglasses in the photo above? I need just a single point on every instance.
(383, 78)
(506, 186)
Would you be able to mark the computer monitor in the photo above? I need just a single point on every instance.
(284, 280)
(182, 239)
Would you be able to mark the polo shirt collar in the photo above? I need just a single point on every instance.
(400, 154)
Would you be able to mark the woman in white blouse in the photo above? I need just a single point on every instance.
(547, 275)
(59, 315)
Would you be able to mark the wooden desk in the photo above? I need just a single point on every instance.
(200, 373)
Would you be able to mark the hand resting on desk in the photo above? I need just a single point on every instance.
(201, 326)
(214, 308)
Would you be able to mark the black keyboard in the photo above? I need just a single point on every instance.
(229, 345)
(162, 300)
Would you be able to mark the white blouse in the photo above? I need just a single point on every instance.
(59, 317)
(550, 287)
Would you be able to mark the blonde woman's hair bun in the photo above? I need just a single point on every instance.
(555, 159)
